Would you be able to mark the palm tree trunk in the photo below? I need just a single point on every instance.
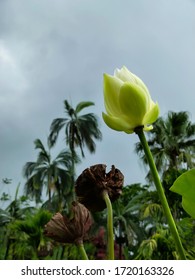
(73, 174)
(48, 188)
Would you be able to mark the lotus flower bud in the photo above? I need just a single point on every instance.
(93, 181)
(128, 102)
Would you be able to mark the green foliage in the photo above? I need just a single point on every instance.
(140, 227)
(185, 186)
(172, 143)
(186, 227)
(157, 247)
(26, 238)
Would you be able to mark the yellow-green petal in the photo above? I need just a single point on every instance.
(148, 127)
(133, 103)
(152, 115)
(112, 87)
(118, 124)
(126, 76)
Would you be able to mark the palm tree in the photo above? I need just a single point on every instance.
(54, 174)
(80, 130)
(172, 142)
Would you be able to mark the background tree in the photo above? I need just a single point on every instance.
(127, 222)
(172, 142)
(139, 224)
(17, 209)
(80, 130)
(28, 241)
(54, 174)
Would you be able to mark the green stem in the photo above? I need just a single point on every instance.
(82, 251)
(160, 191)
(110, 233)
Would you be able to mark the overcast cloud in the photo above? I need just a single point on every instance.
(55, 50)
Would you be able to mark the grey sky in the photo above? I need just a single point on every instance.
(55, 50)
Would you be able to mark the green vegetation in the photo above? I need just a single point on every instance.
(140, 227)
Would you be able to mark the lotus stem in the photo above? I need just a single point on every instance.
(82, 251)
(110, 234)
(157, 182)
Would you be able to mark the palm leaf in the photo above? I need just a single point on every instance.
(83, 105)
(5, 217)
(29, 168)
(56, 126)
(39, 144)
(64, 158)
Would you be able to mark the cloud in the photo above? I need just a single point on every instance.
(51, 52)
(12, 77)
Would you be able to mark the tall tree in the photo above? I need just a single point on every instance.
(80, 130)
(54, 174)
(172, 142)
